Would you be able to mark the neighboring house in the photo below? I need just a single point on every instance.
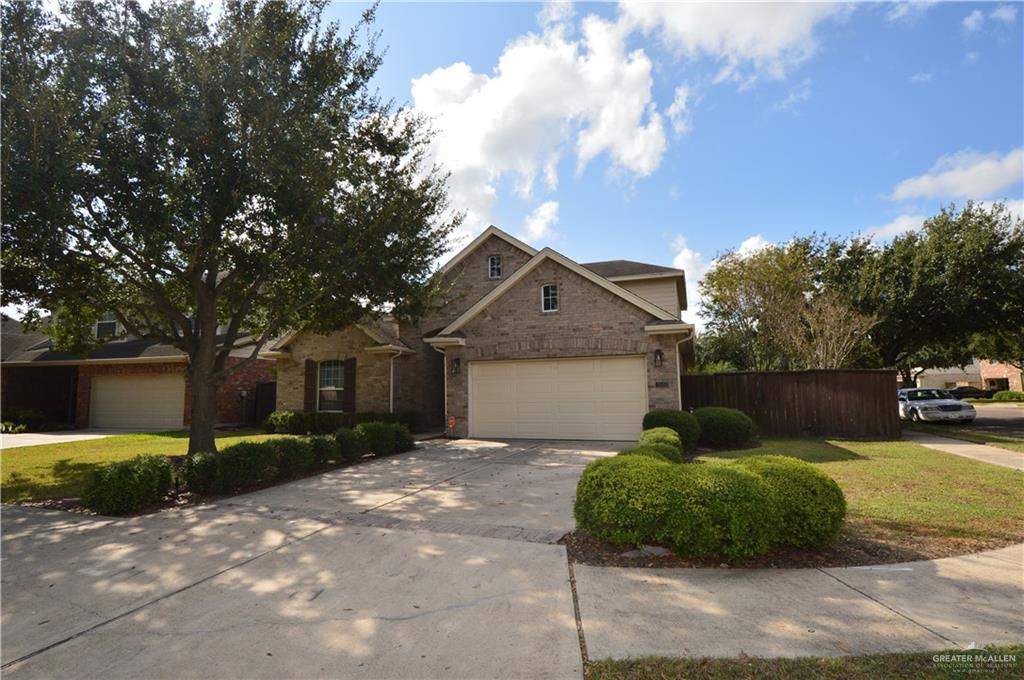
(527, 344)
(123, 384)
(954, 376)
(1001, 376)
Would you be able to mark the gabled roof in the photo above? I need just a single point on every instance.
(373, 330)
(549, 254)
(487, 233)
(628, 269)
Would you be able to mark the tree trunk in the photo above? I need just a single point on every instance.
(203, 380)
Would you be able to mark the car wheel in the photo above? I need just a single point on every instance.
(915, 416)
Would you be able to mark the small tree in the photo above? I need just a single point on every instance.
(211, 183)
(826, 332)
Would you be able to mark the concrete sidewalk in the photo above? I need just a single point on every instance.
(959, 447)
(14, 441)
(917, 606)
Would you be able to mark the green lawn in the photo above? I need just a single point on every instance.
(35, 473)
(903, 494)
(972, 435)
(907, 666)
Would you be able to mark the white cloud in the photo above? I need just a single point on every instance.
(537, 226)
(695, 266)
(750, 39)
(549, 95)
(798, 94)
(678, 112)
(921, 77)
(900, 225)
(907, 12)
(753, 244)
(555, 12)
(1004, 13)
(965, 174)
(973, 21)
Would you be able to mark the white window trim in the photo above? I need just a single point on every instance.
(501, 271)
(318, 387)
(558, 300)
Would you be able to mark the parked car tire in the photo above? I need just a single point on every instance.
(915, 416)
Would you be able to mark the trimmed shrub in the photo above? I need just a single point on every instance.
(624, 499)
(662, 435)
(684, 424)
(385, 439)
(811, 505)
(722, 427)
(128, 485)
(654, 449)
(325, 449)
(293, 455)
(244, 464)
(352, 444)
(319, 422)
(1008, 395)
(200, 472)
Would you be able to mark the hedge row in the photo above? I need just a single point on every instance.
(727, 510)
(1008, 395)
(318, 422)
(134, 484)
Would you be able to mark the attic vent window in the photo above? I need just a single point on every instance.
(549, 297)
(494, 267)
(106, 326)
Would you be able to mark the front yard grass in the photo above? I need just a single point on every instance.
(920, 502)
(37, 473)
(908, 666)
(971, 435)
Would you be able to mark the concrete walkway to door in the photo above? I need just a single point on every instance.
(959, 447)
(12, 441)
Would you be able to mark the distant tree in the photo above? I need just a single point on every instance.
(208, 180)
(1005, 346)
(826, 332)
(932, 291)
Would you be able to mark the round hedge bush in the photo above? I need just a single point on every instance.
(684, 424)
(722, 427)
(811, 505)
(698, 510)
(127, 485)
(669, 454)
(662, 435)
(293, 455)
(352, 444)
(1008, 395)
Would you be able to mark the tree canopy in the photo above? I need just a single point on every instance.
(208, 180)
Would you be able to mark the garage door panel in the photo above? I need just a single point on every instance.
(137, 402)
(593, 398)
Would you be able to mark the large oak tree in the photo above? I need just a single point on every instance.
(210, 181)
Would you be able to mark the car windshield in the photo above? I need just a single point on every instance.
(921, 395)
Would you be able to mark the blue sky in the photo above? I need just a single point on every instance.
(671, 133)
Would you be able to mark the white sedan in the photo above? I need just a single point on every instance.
(929, 405)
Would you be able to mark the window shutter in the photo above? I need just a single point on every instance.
(348, 399)
(309, 387)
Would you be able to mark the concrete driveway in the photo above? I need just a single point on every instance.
(437, 563)
(12, 441)
(440, 563)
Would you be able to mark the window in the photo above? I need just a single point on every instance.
(494, 267)
(106, 326)
(549, 297)
(331, 386)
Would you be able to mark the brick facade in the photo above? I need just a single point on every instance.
(993, 374)
(229, 402)
(591, 321)
(372, 369)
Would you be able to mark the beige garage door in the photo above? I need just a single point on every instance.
(594, 398)
(150, 402)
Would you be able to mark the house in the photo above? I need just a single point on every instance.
(123, 384)
(952, 376)
(526, 344)
(1001, 376)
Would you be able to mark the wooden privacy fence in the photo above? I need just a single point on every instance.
(841, 403)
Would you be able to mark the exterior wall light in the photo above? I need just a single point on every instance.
(659, 358)
(456, 366)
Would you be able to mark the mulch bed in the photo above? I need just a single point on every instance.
(851, 550)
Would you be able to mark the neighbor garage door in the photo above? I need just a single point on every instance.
(593, 398)
(143, 402)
